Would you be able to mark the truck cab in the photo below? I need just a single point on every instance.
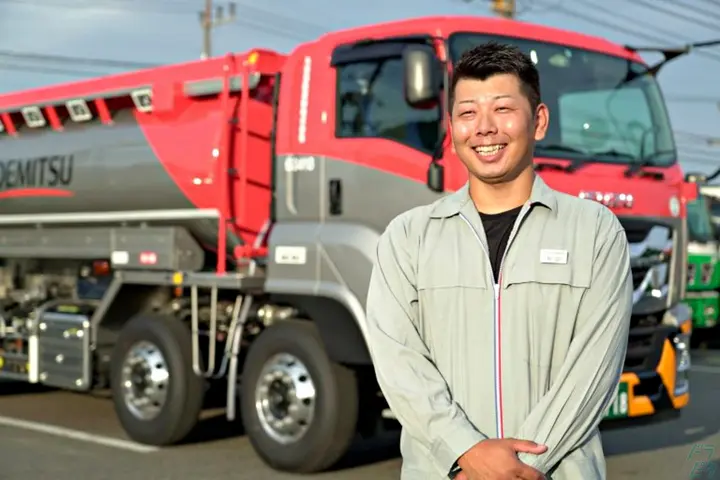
(385, 126)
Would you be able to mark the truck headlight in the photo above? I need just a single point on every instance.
(682, 363)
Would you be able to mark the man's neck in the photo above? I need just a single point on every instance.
(501, 197)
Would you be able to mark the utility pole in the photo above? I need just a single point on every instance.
(208, 21)
(504, 8)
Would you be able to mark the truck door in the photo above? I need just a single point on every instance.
(381, 148)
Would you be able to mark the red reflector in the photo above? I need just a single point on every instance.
(148, 258)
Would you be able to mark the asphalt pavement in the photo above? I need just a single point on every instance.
(66, 436)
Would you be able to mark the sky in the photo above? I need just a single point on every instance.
(166, 31)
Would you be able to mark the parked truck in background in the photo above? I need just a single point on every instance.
(711, 193)
(214, 222)
(703, 291)
(703, 281)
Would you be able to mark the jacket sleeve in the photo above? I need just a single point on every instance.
(568, 414)
(412, 385)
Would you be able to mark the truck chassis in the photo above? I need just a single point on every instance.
(158, 335)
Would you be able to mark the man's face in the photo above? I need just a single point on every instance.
(494, 127)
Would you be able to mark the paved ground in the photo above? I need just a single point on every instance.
(39, 439)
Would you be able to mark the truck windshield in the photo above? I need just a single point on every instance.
(699, 223)
(601, 107)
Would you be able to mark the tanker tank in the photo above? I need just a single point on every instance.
(100, 175)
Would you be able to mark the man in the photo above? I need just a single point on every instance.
(498, 316)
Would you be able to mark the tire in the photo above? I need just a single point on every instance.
(332, 427)
(179, 414)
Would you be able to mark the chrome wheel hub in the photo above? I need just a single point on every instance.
(145, 379)
(285, 398)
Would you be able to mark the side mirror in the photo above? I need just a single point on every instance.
(436, 177)
(422, 76)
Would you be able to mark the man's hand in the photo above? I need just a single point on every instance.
(496, 459)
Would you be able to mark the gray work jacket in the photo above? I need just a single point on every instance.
(461, 359)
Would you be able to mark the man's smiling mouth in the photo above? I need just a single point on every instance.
(489, 150)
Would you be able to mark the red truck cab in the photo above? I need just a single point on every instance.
(379, 105)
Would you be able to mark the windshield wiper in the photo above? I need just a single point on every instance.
(647, 161)
(586, 157)
(614, 154)
(574, 164)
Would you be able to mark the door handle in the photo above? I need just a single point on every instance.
(335, 191)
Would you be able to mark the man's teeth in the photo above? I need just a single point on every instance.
(489, 149)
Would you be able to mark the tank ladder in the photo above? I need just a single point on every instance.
(225, 172)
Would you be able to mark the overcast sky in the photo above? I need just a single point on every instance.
(163, 31)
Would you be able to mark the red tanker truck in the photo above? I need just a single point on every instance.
(214, 223)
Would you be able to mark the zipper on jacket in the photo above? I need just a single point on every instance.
(497, 370)
(498, 363)
(497, 325)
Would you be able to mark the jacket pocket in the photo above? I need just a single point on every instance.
(540, 302)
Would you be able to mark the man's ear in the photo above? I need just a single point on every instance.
(542, 120)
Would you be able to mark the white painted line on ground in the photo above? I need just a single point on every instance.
(694, 430)
(705, 369)
(77, 435)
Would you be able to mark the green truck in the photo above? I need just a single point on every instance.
(703, 276)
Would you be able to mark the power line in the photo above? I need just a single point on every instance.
(253, 18)
(699, 150)
(702, 136)
(15, 67)
(674, 14)
(695, 7)
(628, 31)
(560, 8)
(99, 62)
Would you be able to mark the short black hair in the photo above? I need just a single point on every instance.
(493, 58)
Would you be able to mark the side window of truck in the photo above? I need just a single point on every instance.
(371, 104)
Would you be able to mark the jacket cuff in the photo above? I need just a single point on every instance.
(448, 448)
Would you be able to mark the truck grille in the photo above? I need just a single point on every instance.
(649, 246)
(651, 257)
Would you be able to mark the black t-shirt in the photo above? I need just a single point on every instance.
(498, 227)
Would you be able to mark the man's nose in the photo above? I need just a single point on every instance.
(486, 125)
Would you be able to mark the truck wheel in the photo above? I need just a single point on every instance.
(298, 408)
(157, 395)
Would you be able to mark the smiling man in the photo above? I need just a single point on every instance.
(498, 316)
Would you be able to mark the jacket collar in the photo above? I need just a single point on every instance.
(453, 203)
